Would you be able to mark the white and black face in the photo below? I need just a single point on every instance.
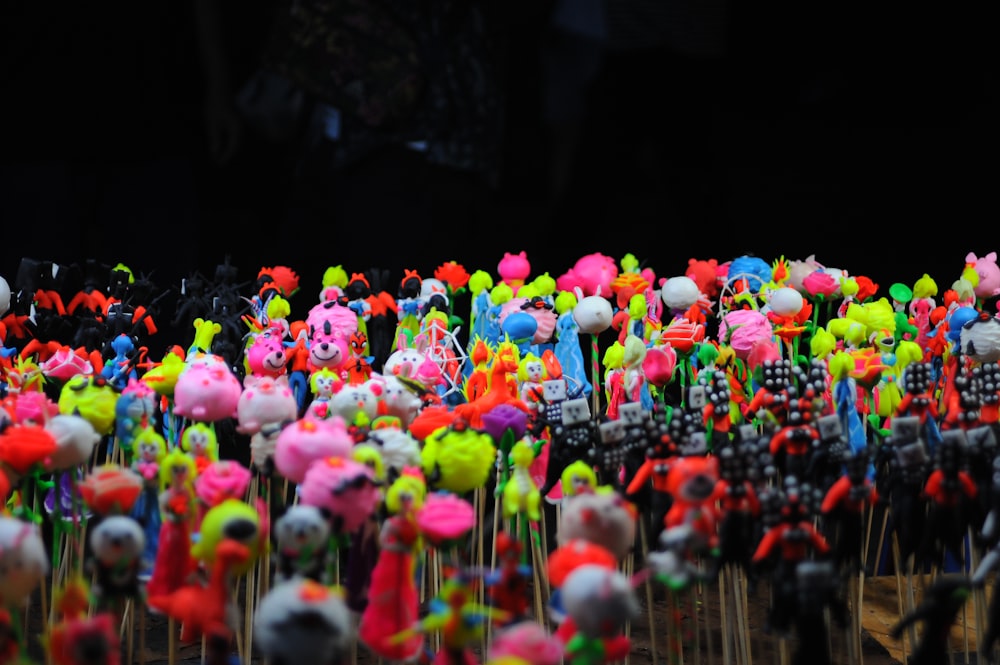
(575, 411)
(631, 414)
(117, 539)
(554, 390)
(612, 432)
(302, 526)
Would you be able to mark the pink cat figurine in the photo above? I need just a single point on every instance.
(514, 269)
(346, 489)
(207, 390)
(307, 440)
(988, 271)
(593, 274)
(330, 328)
(265, 400)
(265, 354)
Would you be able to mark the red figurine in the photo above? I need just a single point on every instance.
(843, 509)
(791, 541)
(507, 585)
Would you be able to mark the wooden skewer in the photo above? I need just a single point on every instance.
(171, 641)
(128, 623)
(628, 566)
(742, 611)
(702, 613)
(142, 634)
(650, 613)
(479, 503)
(726, 611)
(904, 607)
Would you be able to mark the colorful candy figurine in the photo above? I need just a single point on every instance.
(393, 601)
(738, 504)
(603, 518)
(119, 370)
(530, 375)
(987, 273)
(204, 609)
(818, 603)
(902, 465)
(952, 501)
(626, 384)
(302, 544)
(303, 621)
(843, 511)
(792, 540)
(330, 328)
(692, 482)
(265, 401)
(514, 269)
(306, 440)
(79, 637)
(207, 390)
(265, 354)
(324, 383)
(458, 458)
(938, 610)
(458, 618)
(346, 489)
(793, 444)
(199, 440)
(567, 347)
(502, 386)
(572, 439)
(117, 544)
(135, 409)
(24, 561)
(507, 584)
(236, 520)
(519, 492)
(178, 511)
(599, 602)
(526, 642)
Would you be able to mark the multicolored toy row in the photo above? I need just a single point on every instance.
(705, 414)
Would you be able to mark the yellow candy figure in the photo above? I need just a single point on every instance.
(91, 398)
(520, 494)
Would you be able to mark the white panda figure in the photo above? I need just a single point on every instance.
(399, 449)
(356, 404)
(302, 621)
(302, 540)
(599, 600)
(605, 519)
(979, 338)
(116, 547)
(24, 561)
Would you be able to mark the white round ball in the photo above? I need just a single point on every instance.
(680, 292)
(786, 301)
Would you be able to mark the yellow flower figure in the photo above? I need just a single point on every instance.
(458, 458)
(92, 398)
(520, 493)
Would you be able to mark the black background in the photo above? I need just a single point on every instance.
(866, 137)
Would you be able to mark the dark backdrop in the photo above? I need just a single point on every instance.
(867, 137)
